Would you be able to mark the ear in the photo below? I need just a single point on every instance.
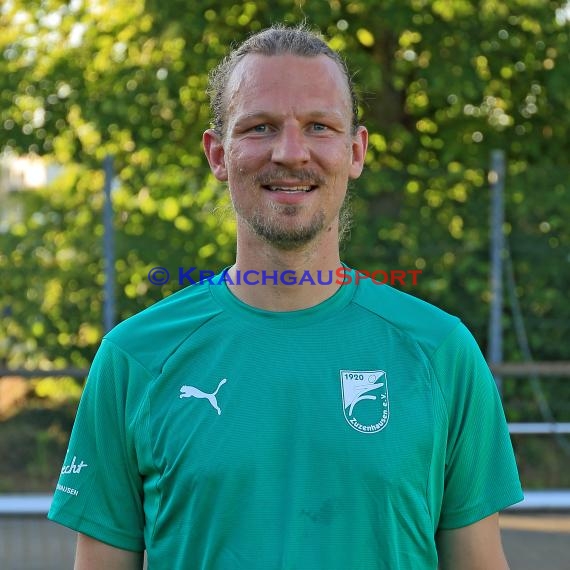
(215, 153)
(359, 146)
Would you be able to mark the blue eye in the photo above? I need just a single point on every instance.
(319, 127)
(259, 129)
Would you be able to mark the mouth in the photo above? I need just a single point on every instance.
(290, 189)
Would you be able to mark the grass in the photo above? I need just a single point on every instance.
(34, 433)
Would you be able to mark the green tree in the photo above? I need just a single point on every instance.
(442, 84)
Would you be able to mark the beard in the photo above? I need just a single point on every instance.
(282, 235)
(279, 228)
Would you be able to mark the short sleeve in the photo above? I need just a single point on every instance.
(99, 492)
(481, 476)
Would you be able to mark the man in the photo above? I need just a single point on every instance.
(271, 426)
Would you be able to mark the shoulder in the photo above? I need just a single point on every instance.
(155, 333)
(423, 323)
(454, 354)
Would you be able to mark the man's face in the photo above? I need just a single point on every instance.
(287, 150)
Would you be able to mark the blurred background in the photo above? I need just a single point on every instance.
(103, 103)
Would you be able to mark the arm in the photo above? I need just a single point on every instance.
(94, 555)
(474, 547)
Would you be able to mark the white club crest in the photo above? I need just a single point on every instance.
(365, 399)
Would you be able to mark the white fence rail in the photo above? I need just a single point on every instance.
(38, 504)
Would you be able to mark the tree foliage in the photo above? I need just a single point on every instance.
(442, 83)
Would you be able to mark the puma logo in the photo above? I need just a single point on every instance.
(192, 392)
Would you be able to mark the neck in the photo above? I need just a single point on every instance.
(318, 258)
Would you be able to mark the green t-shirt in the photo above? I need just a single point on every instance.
(219, 436)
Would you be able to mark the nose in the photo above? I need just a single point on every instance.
(290, 147)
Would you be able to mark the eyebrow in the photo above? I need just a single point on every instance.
(314, 115)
